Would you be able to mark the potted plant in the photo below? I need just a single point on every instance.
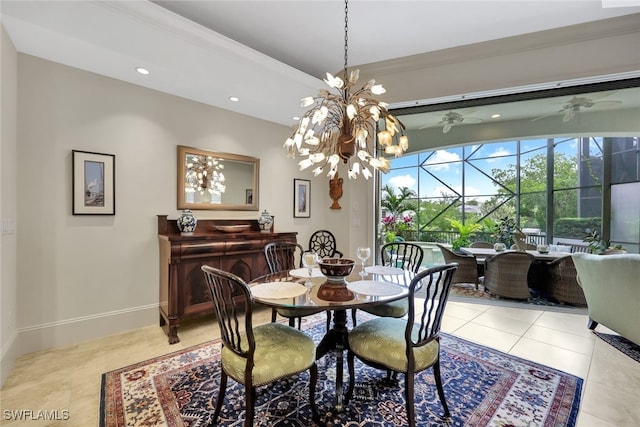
(598, 246)
(503, 231)
(464, 232)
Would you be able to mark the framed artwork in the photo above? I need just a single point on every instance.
(301, 198)
(248, 196)
(93, 183)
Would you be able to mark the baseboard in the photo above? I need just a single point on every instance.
(73, 331)
(9, 356)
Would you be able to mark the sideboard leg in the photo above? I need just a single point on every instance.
(173, 334)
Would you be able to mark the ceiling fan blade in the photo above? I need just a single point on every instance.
(430, 125)
(545, 116)
(569, 114)
(447, 127)
(606, 103)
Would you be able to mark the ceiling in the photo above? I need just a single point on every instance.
(270, 54)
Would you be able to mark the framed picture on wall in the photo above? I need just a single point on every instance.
(93, 180)
(301, 198)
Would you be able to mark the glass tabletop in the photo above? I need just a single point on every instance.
(318, 292)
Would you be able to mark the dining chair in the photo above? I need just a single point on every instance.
(282, 256)
(563, 282)
(467, 271)
(410, 345)
(255, 356)
(323, 243)
(506, 274)
(404, 255)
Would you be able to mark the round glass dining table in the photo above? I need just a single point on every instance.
(295, 289)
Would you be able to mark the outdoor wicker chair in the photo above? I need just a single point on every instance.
(506, 274)
(563, 284)
(467, 271)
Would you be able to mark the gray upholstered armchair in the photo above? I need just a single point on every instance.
(611, 285)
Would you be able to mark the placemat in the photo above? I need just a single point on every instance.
(372, 287)
(381, 269)
(276, 290)
(304, 273)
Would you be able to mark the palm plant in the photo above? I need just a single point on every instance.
(394, 203)
(396, 221)
(464, 232)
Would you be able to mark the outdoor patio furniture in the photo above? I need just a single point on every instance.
(562, 282)
(467, 271)
(506, 274)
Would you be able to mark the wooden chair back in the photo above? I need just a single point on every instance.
(323, 242)
(282, 256)
(407, 256)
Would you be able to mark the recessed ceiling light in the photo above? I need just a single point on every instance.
(234, 98)
(296, 118)
(495, 116)
(142, 70)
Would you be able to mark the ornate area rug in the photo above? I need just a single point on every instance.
(483, 387)
(624, 345)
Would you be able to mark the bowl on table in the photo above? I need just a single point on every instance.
(336, 269)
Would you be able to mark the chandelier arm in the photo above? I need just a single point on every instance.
(341, 126)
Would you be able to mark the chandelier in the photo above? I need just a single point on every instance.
(341, 124)
(204, 174)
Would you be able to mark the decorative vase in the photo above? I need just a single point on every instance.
(335, 191)
(187, 223)
(265, 222)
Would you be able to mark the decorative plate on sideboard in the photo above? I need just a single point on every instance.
(232, 228)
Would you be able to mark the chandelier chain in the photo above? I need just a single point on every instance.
(342, 125)
(346, 35)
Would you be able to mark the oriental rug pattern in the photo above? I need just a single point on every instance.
(483, 387)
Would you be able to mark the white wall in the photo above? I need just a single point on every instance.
(8, 204)
(87, 276)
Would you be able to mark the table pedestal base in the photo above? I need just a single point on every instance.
(336, 340)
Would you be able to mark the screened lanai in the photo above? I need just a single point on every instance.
(559, 164)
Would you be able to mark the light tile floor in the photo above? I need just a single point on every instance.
(69, 378)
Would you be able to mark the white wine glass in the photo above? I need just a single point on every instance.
(363, 253)
(309, 260)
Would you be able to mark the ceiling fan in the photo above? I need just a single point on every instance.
(576, 104)
(452, 118)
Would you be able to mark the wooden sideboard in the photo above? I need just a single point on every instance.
(183, 291)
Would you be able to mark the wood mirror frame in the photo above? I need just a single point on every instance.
(241, 181)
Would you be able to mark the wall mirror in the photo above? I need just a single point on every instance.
(217, 181)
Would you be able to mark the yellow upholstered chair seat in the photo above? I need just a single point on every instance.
(382, 341)
(390, 309)
(281, 351)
